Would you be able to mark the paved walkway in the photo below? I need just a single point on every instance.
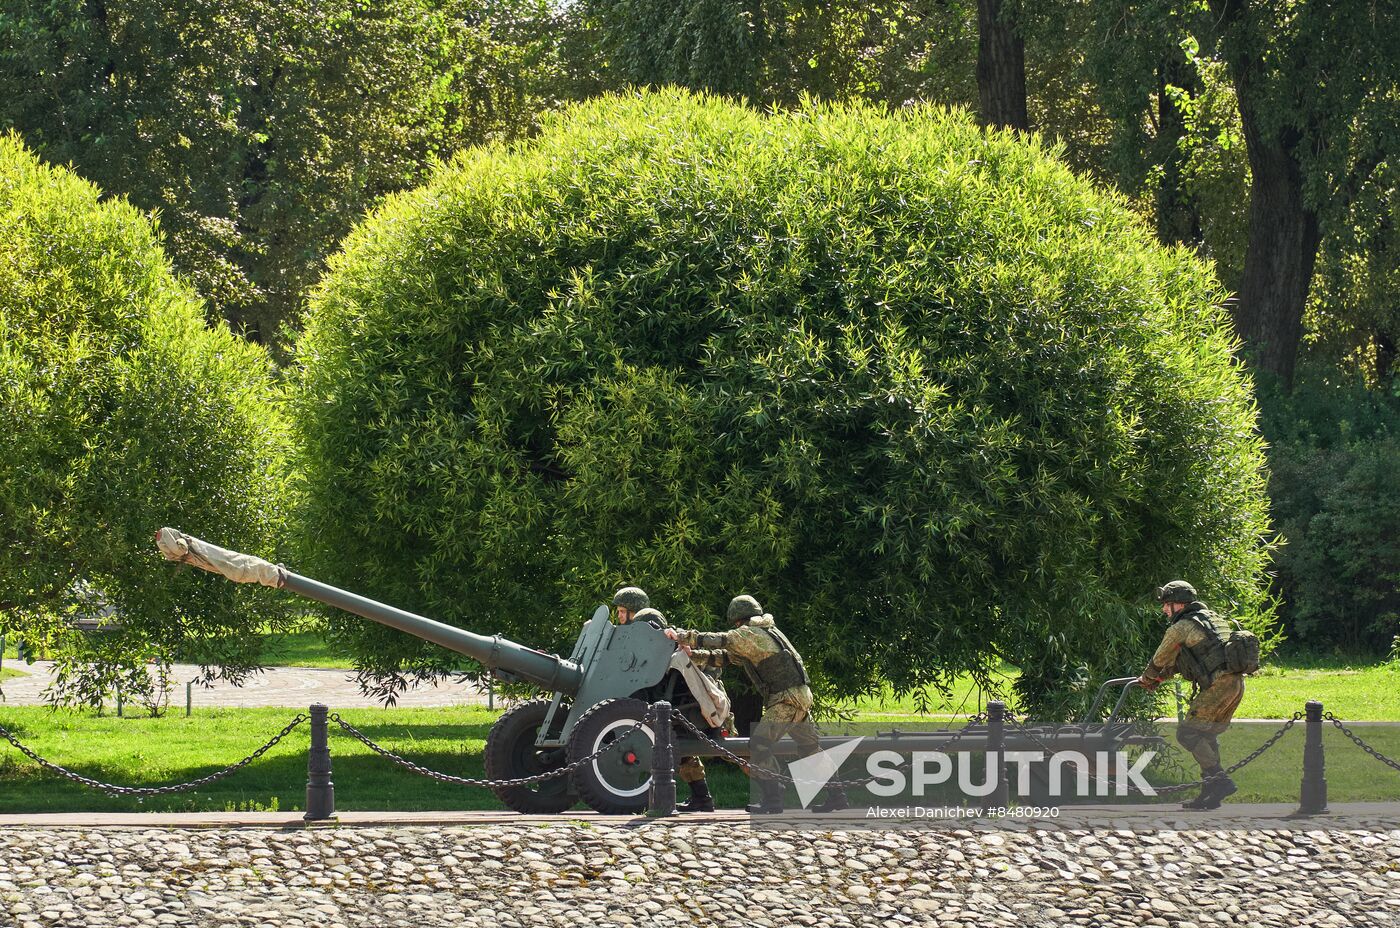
(277, 686)
(699, 872)
(1366, 816)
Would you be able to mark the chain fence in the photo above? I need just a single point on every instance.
(1021, 726)
(419, 769)
(1361, 743)
(1177, 787)
(763, 773)
(1030, 733)
(112, 789)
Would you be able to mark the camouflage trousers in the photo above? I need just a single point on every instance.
(1208, 716)
(690, 769)
(779, 719)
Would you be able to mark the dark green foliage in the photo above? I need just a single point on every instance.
(1335, 483)
(262, 130)
(120, 412)
(773, 51)
(929, 396)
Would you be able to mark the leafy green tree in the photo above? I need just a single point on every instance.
(932, 397)
(1264, 134)
(120, 412)
(260, 131)
(1334, 464)
(1316, 89)
(779, 52)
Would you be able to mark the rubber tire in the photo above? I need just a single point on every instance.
(510, 754)
(585, 739)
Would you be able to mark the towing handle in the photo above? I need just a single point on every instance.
(1126, 682)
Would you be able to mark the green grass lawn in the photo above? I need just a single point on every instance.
(304, 648)
(153, 752)
(1369, 692)
(1360, 692)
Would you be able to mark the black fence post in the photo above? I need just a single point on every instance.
(999, 798)
(320, 791)
(662, 800)
(1312, 794)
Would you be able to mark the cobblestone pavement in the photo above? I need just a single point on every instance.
(570, 874)
(276, 686)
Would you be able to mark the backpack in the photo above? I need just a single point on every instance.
(1237, 652)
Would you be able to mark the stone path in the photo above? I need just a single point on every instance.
(571, 873)
(277, 686)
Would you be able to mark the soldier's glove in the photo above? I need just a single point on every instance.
(1148, 683)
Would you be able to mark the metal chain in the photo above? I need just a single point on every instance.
(978, 719)
(1179, 787)
(489, 784)
(112, 789)
(1357, 740)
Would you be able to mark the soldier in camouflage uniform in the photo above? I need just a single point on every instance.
(776, 670)
(1189, 649)
(691, 770)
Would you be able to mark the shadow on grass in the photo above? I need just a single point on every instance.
(386, 732)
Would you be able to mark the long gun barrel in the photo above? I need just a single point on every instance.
(544, 670)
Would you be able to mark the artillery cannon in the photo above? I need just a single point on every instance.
(600, 693)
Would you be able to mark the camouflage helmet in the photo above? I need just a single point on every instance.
(1177, 591)
(743, 607)
(631, 598)
(650, 615)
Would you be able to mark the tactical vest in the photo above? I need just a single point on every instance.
(1200, 662)
(777, 672)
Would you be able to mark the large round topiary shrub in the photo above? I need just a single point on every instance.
(931, 397)
(120, 412)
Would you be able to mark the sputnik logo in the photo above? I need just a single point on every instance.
(891, 773)
(813, 773)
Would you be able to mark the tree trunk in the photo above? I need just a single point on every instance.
(1283, 229)
(1278, 265)
(1001, 69)
(1385, 358)
(1178, 218)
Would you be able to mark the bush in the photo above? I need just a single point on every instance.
(933, 398)
(120, 412)
(1334, 463)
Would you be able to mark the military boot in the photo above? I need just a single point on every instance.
(834, 800)
(1218, 785)
(770, 798)
(700, 799)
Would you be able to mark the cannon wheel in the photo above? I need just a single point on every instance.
(511, 754)
(618, 782)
